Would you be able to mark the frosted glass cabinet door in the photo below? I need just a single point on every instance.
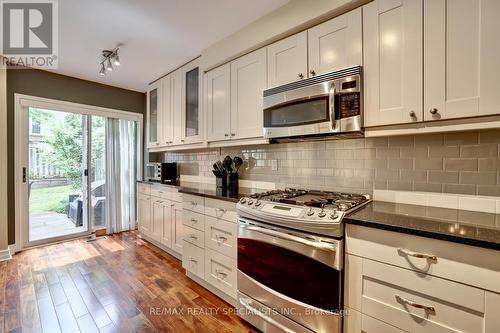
(248, 81)
(392, 46)
(167, 127)
(287, 60)
(153, 114)
(462, 50)
(218, 101)
(336, 44)
(192, 119)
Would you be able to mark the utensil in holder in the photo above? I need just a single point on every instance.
(232, 179)
(221, 182)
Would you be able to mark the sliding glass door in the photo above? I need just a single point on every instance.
(57, 175)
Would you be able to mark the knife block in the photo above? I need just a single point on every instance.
(221, 182)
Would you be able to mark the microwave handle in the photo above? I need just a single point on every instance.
(331, 102)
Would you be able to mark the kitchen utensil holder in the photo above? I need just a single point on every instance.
(230, 180)
(221, 182)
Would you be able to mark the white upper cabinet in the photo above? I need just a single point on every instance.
(393, 56)
(218, 102)
(176, 106)
(462, 52)
(154, 103)
(248, 80)
(191, 103)
(166, 112)
(336, 44)
(287, 60)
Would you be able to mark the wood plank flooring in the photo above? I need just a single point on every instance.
(122, 284)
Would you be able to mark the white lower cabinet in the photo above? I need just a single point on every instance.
(384, 297)
(160, 216)
(210, 238)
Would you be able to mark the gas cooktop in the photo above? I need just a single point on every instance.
(320, 212)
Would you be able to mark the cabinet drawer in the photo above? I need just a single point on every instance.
(160, 192)
(220, 271)
(144, 188)
(397, 296)
(193, 220)
(221, 236)
(176, 196)
(221, 209)
(453, 261)
(193, 259)
(193, 203)
(194, 236)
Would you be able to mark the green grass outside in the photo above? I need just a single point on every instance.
(50, 199)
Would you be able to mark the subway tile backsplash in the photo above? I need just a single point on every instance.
(462, 163)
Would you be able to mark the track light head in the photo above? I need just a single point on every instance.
(102, 71)
(116, 58)
(109, 67)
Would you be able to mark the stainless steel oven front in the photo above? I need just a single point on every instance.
(289, 281)
(327, 104)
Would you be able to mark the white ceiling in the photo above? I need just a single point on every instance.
(157, 36)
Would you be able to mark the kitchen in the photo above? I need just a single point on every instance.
(331, 166)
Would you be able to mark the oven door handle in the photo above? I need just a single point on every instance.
(331, 103)
(277, 234)
(246, 304)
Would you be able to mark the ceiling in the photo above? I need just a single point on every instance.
(157, 35)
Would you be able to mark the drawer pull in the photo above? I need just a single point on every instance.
(194, 220)
(418, 255)
(193, 260)
(221, 273)
(193, 237)
(220, 210)
(220, 239)
(427, 308)
(193, 203)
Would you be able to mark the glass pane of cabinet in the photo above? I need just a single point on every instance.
(153, 115)
(192, 102)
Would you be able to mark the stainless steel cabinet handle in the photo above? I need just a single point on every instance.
(222, 210)
(194, 220)
(233, 134)
(412, 114)
(193, 203)
(418, 255)
(246, 303)
(220, 272)
(427, 308)
(301, 76)
(277, 234)
(312, 72)
(182, 140)
(193, 237)
(226, 134)
(433, 111)
(193, 260)
(221, 238)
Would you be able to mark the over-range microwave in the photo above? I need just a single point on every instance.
(329, 104)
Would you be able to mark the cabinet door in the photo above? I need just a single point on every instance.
(248, 80)
(335, 44)
(166, 235)
(287, 60)
(154, 103)
(218, 103)
(177, 231)
(157, 220)
(491, 311)
(392, 46)
(166, 112)
(144, 214)
(176, 106)
(462, 67)
(191, 103)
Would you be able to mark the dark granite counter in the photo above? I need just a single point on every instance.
(460, 226)
(211, 191)
(176, 185)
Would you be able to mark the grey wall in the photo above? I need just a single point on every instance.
(464, 162)
(49, 85)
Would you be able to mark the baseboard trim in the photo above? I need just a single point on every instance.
(162, 247)
(5, 255)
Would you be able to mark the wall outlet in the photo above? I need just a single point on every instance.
(274, 165)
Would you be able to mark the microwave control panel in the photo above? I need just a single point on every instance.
(349, 104)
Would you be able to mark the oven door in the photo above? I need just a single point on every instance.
(305, 111)
(297, 276)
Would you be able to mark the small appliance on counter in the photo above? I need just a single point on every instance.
(165, 173)
(226, 172)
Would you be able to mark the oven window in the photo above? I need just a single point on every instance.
(290, 273)
(310, 111)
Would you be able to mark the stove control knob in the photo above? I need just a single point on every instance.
(258, 203)
(243, 200)
(322, 213)
(250, 202)
(334, 215)
(310, 212)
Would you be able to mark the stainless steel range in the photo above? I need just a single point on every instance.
(290, 259)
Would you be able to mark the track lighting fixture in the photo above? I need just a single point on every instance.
(107, 58)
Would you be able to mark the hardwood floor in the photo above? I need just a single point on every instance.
(122, 284)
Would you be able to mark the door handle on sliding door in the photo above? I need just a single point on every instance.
(24, 175)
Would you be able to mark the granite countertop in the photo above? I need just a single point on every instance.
(460, 226)
(209, 190)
